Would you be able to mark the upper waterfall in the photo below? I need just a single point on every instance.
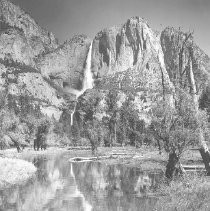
(88, 77)
(87, 80)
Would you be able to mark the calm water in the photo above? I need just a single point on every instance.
(63, 186)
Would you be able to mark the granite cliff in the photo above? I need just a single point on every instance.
(13, 17)
(171, 41)
(126, 61)
(66, 64)
(22, 40)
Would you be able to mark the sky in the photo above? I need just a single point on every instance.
(66, 18)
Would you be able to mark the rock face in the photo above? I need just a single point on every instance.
(11, 16)
(120, 48)
(19, 79)
(66, 64)
(21, 41)
(171, 40)
(14, 46)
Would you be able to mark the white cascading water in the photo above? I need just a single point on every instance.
(87, 81)
(88, 77)
(72, 115)
(110, 61)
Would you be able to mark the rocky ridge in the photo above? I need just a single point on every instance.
(13, 17)
(21, 41)
(66, 64)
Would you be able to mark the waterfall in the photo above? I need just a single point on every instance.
(72, 115)
(88, 79)
(110, 60)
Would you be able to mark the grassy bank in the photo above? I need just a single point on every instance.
(188, 193)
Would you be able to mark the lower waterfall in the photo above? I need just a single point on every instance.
(87, 81)
(72, 115)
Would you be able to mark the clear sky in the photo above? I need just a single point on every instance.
(66, 18)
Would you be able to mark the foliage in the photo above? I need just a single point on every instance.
(94, 133)
(177, 125)
(20, 118)
(117, 119)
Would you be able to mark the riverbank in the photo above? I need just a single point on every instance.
(145, 158)
(15, 171)
(16, 168)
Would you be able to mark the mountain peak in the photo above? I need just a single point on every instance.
(137, 20)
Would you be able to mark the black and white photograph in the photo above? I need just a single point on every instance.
(104, 105)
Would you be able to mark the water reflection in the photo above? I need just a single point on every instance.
(64, 186)
(116, 187)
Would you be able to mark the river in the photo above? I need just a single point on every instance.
(60, 185)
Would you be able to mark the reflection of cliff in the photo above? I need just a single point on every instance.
(86, 206)
(114, 187)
